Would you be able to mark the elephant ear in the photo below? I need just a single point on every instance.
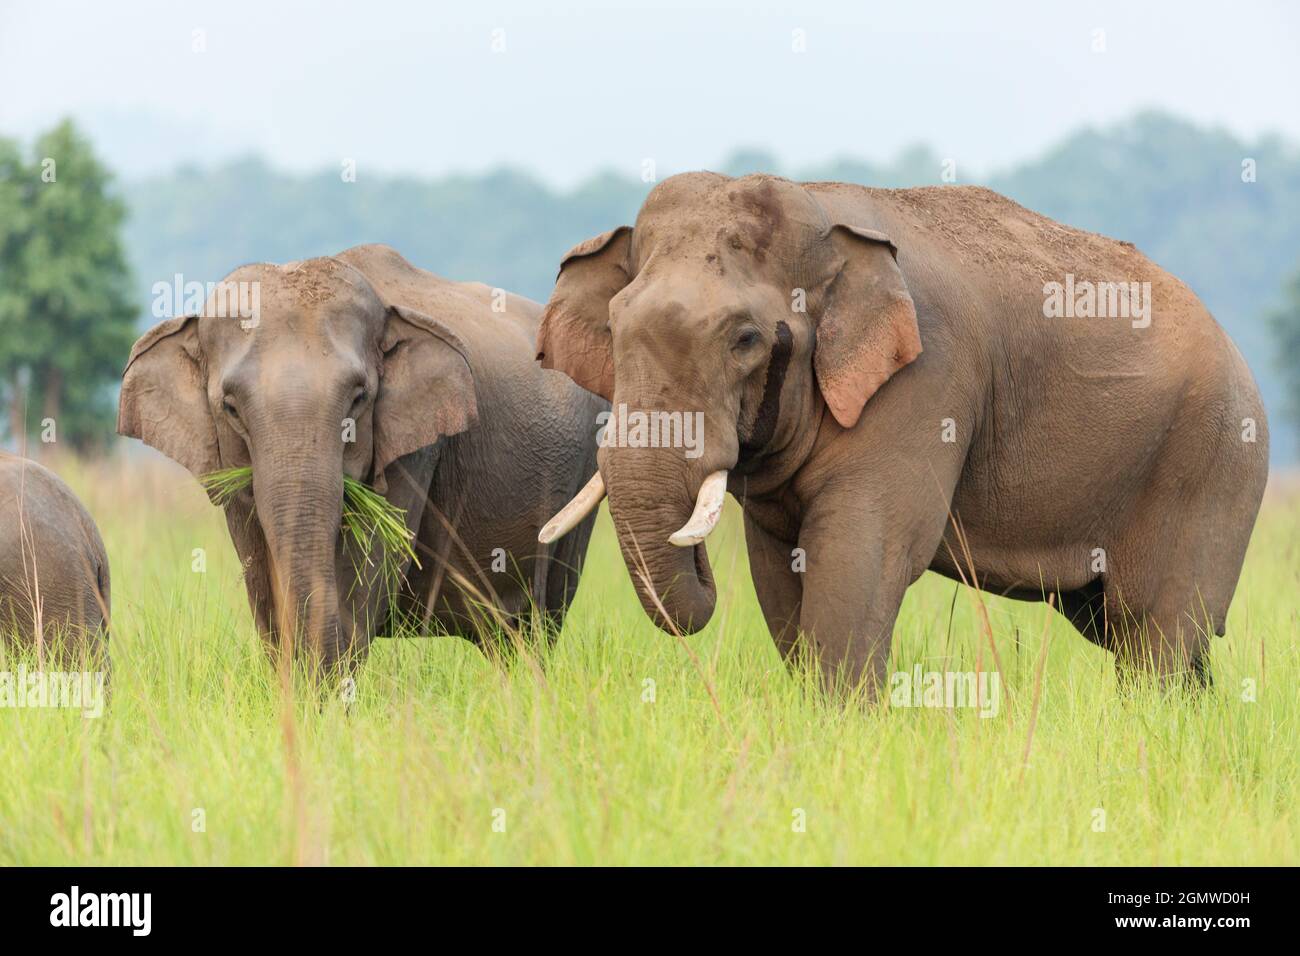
(574, 334)
(164, 400)
(426, 389)
(867, 330)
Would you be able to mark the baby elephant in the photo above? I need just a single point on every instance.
(53, 570)
(360, 366)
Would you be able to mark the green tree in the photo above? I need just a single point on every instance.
(65, 303)
(1285, 323)
(14, 179)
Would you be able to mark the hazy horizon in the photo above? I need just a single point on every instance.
(408, 90)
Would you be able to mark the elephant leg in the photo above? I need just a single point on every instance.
(1174, 567)
(851, 599)
(454, 593)
(553, 581)
(250, 545)
(1145, 632)
(541, 574)
(1163, 612)
(1085, 608)
(1164, 634)
(862, 555)
(779, 588)
(566, 559)
(500, 649)
(509, 620)
(1178, 630)
(867, 536)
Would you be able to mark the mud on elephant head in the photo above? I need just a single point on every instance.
(325, 380)
(739, 299)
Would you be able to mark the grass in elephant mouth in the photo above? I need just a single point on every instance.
(367, 516)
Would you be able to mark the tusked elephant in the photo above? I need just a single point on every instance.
(54, 581)
(361, 364)
(896, 380)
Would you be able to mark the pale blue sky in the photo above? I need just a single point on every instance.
(416, 87)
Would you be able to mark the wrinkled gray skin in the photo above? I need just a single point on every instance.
(52, 561)
(919, 386)
(454, 423)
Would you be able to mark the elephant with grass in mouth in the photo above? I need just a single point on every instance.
(360, 366)
(54, 582)
(896, 380)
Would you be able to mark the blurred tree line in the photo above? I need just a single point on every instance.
(1185, 195)
(68, 309)
(1285, 322)
(1221, 214)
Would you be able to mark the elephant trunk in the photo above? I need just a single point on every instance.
(299, 500)
(649, 499)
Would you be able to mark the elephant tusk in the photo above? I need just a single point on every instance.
(708, 509)
(571, 515)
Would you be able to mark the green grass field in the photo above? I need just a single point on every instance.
(610, 749)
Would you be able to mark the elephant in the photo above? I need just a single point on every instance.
(896, 380)
(362, 365)
(54, 580)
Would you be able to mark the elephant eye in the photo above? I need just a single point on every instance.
(360, 399)
(229, 408)
(747, 339)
